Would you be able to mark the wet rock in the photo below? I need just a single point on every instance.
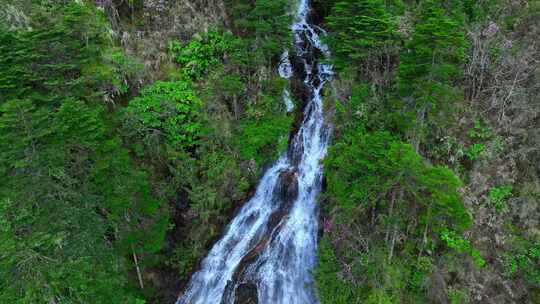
(246, 293)
(243, 293)
(299, 90)
(288, 186)
(228, 293)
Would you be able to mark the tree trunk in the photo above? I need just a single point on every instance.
(139, 275)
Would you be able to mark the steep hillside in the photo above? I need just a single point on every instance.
(131, 132)
(425, 88)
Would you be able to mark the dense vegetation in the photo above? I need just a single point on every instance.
(395, 218)
(90, 187)
(73, 202)
(118, 170)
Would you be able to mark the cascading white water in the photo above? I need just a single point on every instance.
(285, 71)
(272, 242)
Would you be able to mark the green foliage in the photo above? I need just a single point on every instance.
(498, 197)
(379, 186)
(121, 69)
(367, 168)
(230, 114)
(72, 203)
(498, 145)
(480, 132)
(454, 152)
(430, 67)
(185, 257)
(265, 24)
(210, 180)
(220, 183)
(349, 273)
(165, 113)
(332, 288)
(198, 55)
(379, 297)
(435, 50)
(262, 139)
(57, 57)
(70, 186)
(419, 273)
(460, 245)
(361, 31)
(457, 296)
(522, 261)
(387, 224)
(474, 151)
(480, 10)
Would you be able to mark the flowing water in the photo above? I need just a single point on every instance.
(269, 249)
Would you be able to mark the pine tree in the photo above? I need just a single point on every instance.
(361, 32)
(429, 70)
(72, 203)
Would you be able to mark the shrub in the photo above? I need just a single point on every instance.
(474, 151)
(165, 113)
(459, 244)
(198, 55)
(522, 261)
(498, 197)
(261, 139)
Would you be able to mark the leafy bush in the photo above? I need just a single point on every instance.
(457, 296)
(480, 132)
(378, 187)
(198, 55)
(474, 151)
(262, 139)
(185, 256)
(379, 297)
(123, 69)
(522, 261)
(498, 196)
(366, 168)
(419, 273)
(165, 113)
(456, 242)
(332, 289)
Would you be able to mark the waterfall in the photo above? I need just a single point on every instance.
(268, 251)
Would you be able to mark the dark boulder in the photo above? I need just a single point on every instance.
(288, 186)
(243, 293)
(246, 293)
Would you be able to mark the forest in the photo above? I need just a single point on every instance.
(133, 131)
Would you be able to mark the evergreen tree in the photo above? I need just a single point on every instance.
(73, 207)
(388, 210)
(361, 33)
(266, 25)
(429, 69)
